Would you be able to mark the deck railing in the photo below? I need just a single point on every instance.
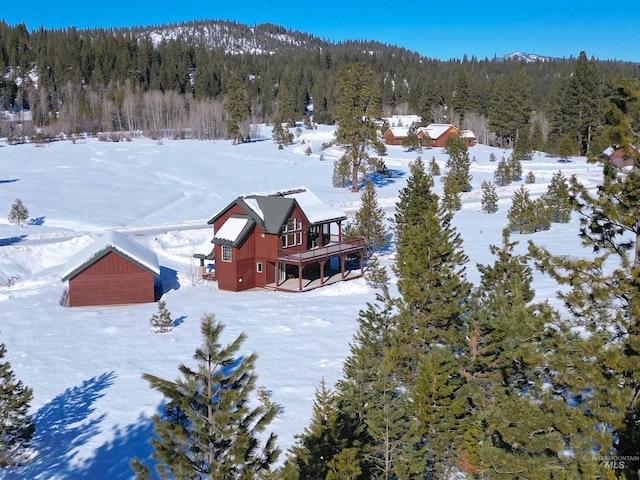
(332, 249)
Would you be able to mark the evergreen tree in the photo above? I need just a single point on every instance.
(344, 465)
(236, 107)
(509, 361)
(369, 220)
(376, 275)
(434, 168)
(458, 165)
(526, 215)
(510, 105)
(558, 200)
(19, 214)
(358, 104)
(502, 173)
(578, 106)
(161, 320)
(489, 200)
(537, 138)
(430, 270)
(515, 168)
(281, 135)
(530, 177)
(602, 295)
(411, 142)
(565, 148)
(208, 428)
(318, 444)
(16, 426)
(522, 147)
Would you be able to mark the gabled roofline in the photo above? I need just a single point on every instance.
(99, 254)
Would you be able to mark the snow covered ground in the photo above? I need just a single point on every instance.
(92, 408)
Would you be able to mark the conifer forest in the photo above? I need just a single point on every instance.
(444, 379)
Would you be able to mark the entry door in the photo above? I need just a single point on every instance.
(282, 268)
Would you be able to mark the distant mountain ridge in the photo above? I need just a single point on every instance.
(524, 57)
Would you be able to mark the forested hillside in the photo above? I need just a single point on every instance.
(187, 79)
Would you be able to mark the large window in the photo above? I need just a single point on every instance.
(226, 253)
(292, 233)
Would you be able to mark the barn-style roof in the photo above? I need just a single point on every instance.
(270, 212)
(436, 130)
(111, 241)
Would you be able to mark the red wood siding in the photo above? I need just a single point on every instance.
(391, 139)
(442, 139)
(111, 280)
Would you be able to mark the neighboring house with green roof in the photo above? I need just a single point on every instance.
(288, 240)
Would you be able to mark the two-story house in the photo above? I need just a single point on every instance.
(287, 240)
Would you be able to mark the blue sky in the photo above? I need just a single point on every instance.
(435, 29)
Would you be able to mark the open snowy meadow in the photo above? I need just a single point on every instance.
(91, 406)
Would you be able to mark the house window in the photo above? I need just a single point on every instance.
(259, 267)
(292, 233)
(226, 253)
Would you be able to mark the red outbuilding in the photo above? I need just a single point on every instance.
(287, 240)
(113, 270)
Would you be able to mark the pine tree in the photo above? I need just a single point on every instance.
(557, 199)
(411, 141)
(502, 173)
(565, 148)
(522, 147)
(16, 426)
(515, 168)
(430, 270)
(489, 200)
(281, 135)
(537, 138)
(440, 405)
(530, 177)
(510, 105)
(376, 275)
(317, 445)
(602, 295)
(526, 215)
(434, 168)
(208, 428)
(509, 360)
(458, 165)
(369, 220)
(358, 104)
(161, 320)
(19, 214)
(344, 465)
(236, 107)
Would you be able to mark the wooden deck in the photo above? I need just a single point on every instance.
(347, 246)
(292, 284)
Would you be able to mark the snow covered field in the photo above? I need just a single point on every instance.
(92, 409)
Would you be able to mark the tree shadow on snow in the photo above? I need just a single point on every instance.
(389, 176)
(5, 242)
(36, 221)
(62, 426)
(9, 181)
(111, 460)
(167, 281)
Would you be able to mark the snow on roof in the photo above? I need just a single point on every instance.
(608, 151)
(314, 209)
(231, 229)
(111, 240)
(399, 131)
(467, 134)
(403, 120)
(436, 130)
(253, 205)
